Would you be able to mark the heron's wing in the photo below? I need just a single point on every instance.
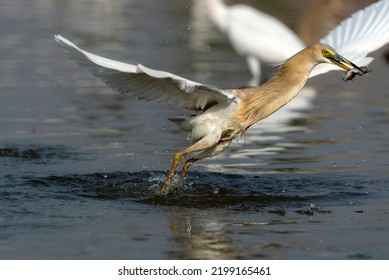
(364, 32)
(148, 84)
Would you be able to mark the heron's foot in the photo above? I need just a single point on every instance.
(173, 185)
(166, 186)
(180, 181)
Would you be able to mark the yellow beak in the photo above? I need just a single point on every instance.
(343, 62)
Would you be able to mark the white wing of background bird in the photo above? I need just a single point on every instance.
(354, 38)
(148, 84)
(256, 35)
(252, 32)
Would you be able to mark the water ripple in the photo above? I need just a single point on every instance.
(204, 190)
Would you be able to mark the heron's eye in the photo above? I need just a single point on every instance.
(325, 52)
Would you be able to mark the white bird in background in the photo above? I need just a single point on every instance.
(262, 37)
(223, 115)
(255, 35)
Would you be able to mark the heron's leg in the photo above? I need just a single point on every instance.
(213, 151)
(203, 144)
(255, 69)
(187, 164)
(177, 158)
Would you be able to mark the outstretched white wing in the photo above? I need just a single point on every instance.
(364, 32)
(148, 84)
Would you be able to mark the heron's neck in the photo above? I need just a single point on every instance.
(218, 10)
(260, 102)
(290, 79)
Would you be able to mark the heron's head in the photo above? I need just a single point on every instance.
(329, 55)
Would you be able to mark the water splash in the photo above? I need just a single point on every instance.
(204, 190)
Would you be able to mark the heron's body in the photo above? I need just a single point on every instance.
(223, 115)
(230, 119)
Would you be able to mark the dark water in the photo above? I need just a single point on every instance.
(80, 165)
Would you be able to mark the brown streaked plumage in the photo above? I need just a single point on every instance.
(257, 103)
(226, 114)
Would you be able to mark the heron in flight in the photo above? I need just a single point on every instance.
(227, 113)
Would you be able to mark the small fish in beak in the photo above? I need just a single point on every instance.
(350, 74)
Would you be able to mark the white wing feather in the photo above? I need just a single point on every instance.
(148, 84)
(252, 32)
(364, 32)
